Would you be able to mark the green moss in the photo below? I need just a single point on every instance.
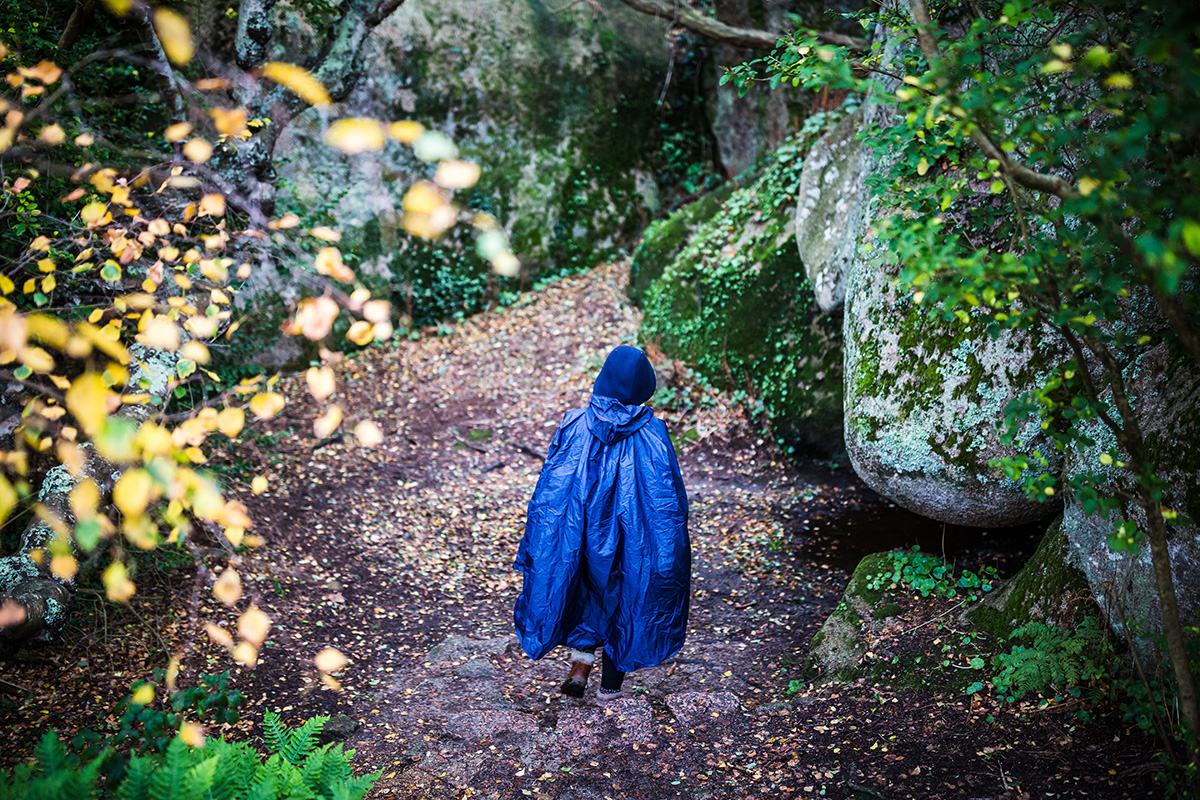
(1049, 588)
(736, 303)
(662, 241)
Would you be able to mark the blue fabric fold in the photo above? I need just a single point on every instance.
(605, 553)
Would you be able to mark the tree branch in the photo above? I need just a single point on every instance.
(163, 73)
(1029, 178)
(76, 25)
(710, 28)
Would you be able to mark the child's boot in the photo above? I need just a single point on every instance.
(581, 668)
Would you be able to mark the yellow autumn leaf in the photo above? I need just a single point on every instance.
(368, 433)
(456, 174)
(246, 654)
(92, 212)
(423, 198)
(143, 695)
(266, 404)
(160, 333)
(230, 421)
(321, 382)
(85, 498)
(323, 232)
(377, 310)
(218, 635)
(406, 131)
(192, 734)
(197, 150)
(259, 484)
(228, 587)
(175, 36)
(132, 492)
(118, 7)
(212, 204)
(177, 133)
(356, 135)
(87, 400)
(196, 351)
(52, 135)
(8, 498)
(329, 660)
(64, 566)
(315, 317)
(328, 422)
(361, 332)
(299, 81)
(253, 626)
(117, 585)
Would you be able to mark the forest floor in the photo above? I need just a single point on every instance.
(400, 557)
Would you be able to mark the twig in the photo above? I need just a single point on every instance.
(529, 451)
(16, 686)
(934, 619)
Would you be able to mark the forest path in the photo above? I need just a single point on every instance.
(400, 557)
(403, 557)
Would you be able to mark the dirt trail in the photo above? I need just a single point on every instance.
(400, 557)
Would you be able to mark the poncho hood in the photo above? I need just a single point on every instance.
(610, 420)
(626, 376)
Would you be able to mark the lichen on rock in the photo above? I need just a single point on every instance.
(832, 201)
(925, 400)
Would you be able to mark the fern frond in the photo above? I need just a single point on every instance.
(274, 733)
(139, 774)
(52, 755)
(170, 778)
(303, 740)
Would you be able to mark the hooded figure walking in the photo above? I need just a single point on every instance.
(605, 554)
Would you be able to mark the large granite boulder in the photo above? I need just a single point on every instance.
(925, 399)
(830, 212)
(736, 304)
(559, 108)
(1166, 390)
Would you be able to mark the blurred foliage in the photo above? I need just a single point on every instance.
(127, 256)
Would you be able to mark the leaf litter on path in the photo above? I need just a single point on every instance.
(400, 558)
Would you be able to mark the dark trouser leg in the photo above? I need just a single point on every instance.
(611, 677)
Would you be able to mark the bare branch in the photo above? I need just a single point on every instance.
(77, 24)
(710, 28)
(163, 73)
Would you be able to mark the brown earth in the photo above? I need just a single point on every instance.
(400, 557)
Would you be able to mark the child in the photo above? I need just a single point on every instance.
(605, 554)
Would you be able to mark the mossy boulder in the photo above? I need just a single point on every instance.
(839, 647)
(925, 400)
(833, 199)
(664, 238)
(736, 304)
(558, 107)
(1165, 387)
(1049, 589)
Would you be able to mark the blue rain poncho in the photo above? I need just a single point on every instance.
(605, 553)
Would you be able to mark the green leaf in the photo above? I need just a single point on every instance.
(1191, 237)
(111, 272)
